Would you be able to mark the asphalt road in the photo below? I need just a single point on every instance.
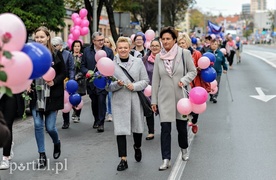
(236, 139)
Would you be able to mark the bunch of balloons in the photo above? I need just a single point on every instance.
(195, 103)
(208, 73)
(80, 27)
(106, 69)
(71, 97)
(27, 61)
(150, 35)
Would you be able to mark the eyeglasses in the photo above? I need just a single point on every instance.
(155, 46)
(139, 40)
(99, 40)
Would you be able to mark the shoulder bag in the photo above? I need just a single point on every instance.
(145, 102)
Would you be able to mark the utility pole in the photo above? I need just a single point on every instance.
(94, 16)
(159, 16)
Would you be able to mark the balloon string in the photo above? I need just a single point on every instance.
(185, 92)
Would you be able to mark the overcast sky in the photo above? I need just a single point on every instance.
(227, 7)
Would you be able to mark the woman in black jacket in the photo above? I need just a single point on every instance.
(47, 100)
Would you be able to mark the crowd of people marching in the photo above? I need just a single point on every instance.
(169, 63)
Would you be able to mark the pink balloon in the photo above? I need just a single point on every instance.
(18, 69)
(223, 50)
(77, 27)
(72, 29)
(67, 108)
(70, 36)
(81, 41)
(150, 34)
(132, 37)
(203, 62)
(12, 24)
(69, 43)
(83, 13)
(77, 21)
(237, 38)
(214, 90)
(99, 54)
(213, 36)
(198, 95)
(84, 31)
(106, 66)
(147, 44)
(147, 91)
(199, 108)
(214, 84)
(80, 105)
(184, 106)
(84, 23)
(66, 97)
(49, 75)
(76, 34)
(74, 16)
(21, 87)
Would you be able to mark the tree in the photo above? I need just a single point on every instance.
(50, 13)
(196, 19)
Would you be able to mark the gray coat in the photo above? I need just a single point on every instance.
(126, 107)
(165, 90)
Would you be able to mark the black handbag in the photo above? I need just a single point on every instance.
(145, 101)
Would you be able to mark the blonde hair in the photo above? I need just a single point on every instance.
(123, 39)
(186, 38)
(112, 43)
(47, 32)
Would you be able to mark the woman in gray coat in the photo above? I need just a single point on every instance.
(173, 70)
(127, 110)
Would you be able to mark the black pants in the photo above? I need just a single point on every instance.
(231, 57)
(66, 116)
(8, 108)
(150, 123)
(122, 143)
(195, 118)
(98, 105)
(181, 127)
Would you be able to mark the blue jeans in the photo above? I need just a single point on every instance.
(50, 123)
(109, 103)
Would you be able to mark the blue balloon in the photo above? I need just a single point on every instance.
(194, 40)
(100, 83)
(211, 56)
(208, 75)
(72, 86)
(75, 99)
(41, 58)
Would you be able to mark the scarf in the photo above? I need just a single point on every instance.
(151, 58)
(42, 92)
(168, 58)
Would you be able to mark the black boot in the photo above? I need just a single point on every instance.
(42, 161)
(57, 152)
(138, 154)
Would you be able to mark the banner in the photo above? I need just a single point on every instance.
(213, 28)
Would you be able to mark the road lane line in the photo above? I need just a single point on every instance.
(179, 164)
(265, 60)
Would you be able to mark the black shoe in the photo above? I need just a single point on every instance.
(215, 100)
(122, 166)
(211, 99)
(150, 138)
(65, 125)
(57, 152)
(42, 161)
(100, 129)
(138, 154)
(95, 126)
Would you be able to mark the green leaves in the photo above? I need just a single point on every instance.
(5, 90)
(7, 54)
(3, 76)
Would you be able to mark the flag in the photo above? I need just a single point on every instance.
(213, 28)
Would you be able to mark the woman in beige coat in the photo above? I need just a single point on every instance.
(173, 70)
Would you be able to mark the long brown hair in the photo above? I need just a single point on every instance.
(47, 32)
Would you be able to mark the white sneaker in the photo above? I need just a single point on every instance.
(166, 164)
(185, 155)
(76, 119)
(109, 117)
(11, 153)
(5, 164)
